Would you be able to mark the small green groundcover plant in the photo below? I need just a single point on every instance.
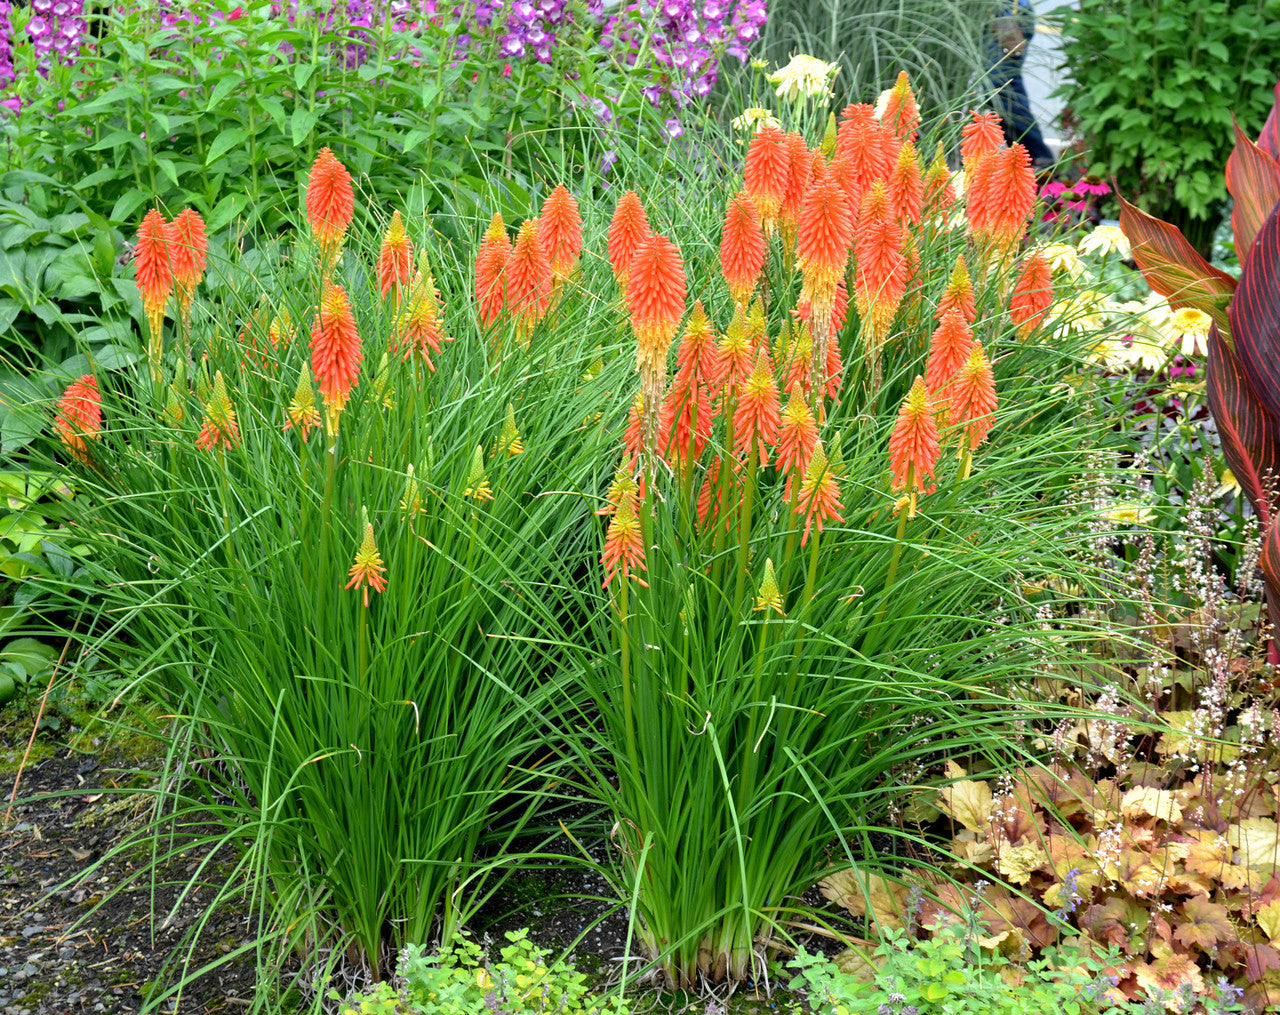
(953, 973)
(461, 980)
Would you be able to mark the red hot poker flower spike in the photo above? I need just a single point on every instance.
(1000, 196)
(958, 294)
(395, 258)
(335, 353)
(561, 226)
(623, 547)
(655, 296)
(972, 398)
(901, 114)
(629, 229)
(330, 203)
(220, 429)
(1032, 294)
(948, 351)
(981, 136)
(152, 258)
(819, 496)
(913, 445)
(79, 416)
(756, 419)
(742, 248)
(767, 174)
(189, 250)
(906, 187)
(368, 571)
(491, 264)
(529, 279)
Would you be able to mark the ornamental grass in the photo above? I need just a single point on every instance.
(372, 522)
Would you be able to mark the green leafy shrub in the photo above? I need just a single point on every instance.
(460, 980)
(1154, 86)
(953, 972)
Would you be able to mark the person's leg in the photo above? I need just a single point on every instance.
(1014, 106)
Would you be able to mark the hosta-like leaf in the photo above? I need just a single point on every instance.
(1172, 266)
(1203, 924)
(1253, 177)
(1269, 139)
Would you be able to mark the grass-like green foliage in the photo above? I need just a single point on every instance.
(952, 973)
(369, 770)
(940, 43)
(459, 980)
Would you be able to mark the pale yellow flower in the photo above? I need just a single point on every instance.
(1192, 327)
(882, 103)
(754, 118)
(1062, 257)
(1129, 514)
(804, 77)
(1104, 240)
(1227, 483)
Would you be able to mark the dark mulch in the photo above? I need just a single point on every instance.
(68, 946)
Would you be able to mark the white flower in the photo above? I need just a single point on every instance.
(754, 118)
(882, 103)
(804, 77)
(1062, 257)
(1192, 327)
(1104, 240)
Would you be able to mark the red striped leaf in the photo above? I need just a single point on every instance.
(1270, 563)
(1250, 432)
(1253, 177)
(1173, 268)
(1255, 315)
(1269, 139)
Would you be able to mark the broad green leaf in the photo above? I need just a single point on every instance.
(129, 202)
(221, 90)
(303, 122)
(224, 142)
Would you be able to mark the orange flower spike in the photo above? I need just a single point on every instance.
(78, 417)
(1002, 194)
(972, 398)
(819, 495)
(1032, 294)
(711, 486)
(368, 571)
(395, 258)
(799, 172)
(623, 547)
(756, 419)
(742, 248)
(906, 187)
(335, 353)
(825, 234)
(865, 151)
(152, 259)
(330, 204)
(881, 276)
(685, 421)
(948, 351)
(902, 114)
(981, 136)
(528, 278)
(189, 254)
(913, 445)
(696, 358)
(939, 191)
(561, 226)
(301, 412)
(491, 265)
(768, 174)
(633, 435)
(958, 294)
(835, 370)
(799, 361)
(797, 438)
(220, 429)
(628, 230)
(655, 297)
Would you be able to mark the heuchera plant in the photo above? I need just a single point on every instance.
(1243, 371)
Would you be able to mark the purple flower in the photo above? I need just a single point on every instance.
(673, 127)
(607, 159)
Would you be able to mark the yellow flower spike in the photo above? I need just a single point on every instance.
(510, 441)
(173, 406)
(382, 385)
(368, 571)
(411, 500)
(756, 325)
(829, 138)
(770, 597)
(301, 412)
(622, 488)
(477, 481)
(281, 329)
(596, 368)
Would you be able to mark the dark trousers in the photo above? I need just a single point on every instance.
(1011, 102)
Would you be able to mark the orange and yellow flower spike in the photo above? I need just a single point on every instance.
(881, 277)
(220, 429)
(78, 417)
(958, 294)
(797, 439)
(742, 248)
(189, 253)
(906, 187)
(999, 195)
(368, 571)
(767, 174)
(491, 265)
(528, 280)
(980, 137)
(755, 421)
(939, 191)
(913, 445)
(478, 487)
(949, 349)
(696, 357)
(1032, 294)
(770, 596)
(655, 298)
(301, 412)
(419, 327)
(972, 401)
(799, 172)
(395, 258)
(330, 206)
(623, 546)
(153, 266)
(826, 234)
(901, 113)
(335, 354)
(628, 230)
(561, 226)
(819, 497)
